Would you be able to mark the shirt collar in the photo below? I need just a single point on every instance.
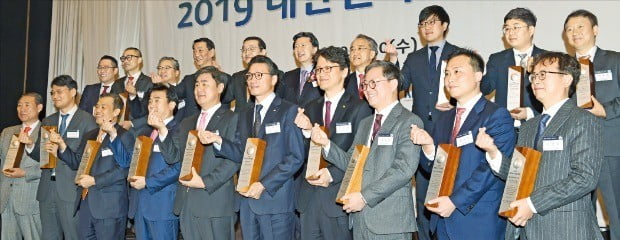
(336, 98)
(386, 111)
(32, 126)
(168, 120)
(267, 101)
(528, 51)
(308, 69)
(136, 76)
(554, 109)
(591, 52)
(471, 103)
(211, 110)
(439, 44)
(71, 111)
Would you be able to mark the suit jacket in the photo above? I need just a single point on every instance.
(496, 78)
(386, 184)
(565, 178)
(108, 197)
(608, 93)
(477, 191)
(349, 110)
(81, 122)
(143, 85)
(218, 198)
(350, 86)
(284, 155)
(290, 83)
(90, 96)
(21, 191)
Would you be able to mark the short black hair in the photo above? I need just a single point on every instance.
(313, 39)
(215, 73)
(566, 64)
(475, 60)
(390, 71)
(112, 59)
(135, 49)
(583, 13)
(210, 44)
(273, 68)
(435, 10)
(171, 95)
(64, 81)
(261, 43)
(38, 99)
(118, 102)
(523, 14)
(333, 54)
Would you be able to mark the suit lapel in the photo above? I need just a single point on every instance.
(341, 109)
(599, 55)
(388, 124)
(75, 120)
(560, 117)
(271, 116)
(509, 58)
(215, 120)
(473, 116)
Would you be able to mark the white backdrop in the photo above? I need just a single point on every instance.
(83, 31)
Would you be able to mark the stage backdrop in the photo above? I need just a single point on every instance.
(83, 31)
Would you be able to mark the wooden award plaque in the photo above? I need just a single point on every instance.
(585, 85)
(88, 158)
(445, 166)
(47, 160)
(514, 96)
(14, 154)
(192, 157)
(352, 180)
(125, 112)
(443, 96)
(252, 163)
(140, 157)
(315, 158)
(521, 178)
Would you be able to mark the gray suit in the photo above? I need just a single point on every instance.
(57, 198)
(386, 184)
(18, 204)
(565, 177)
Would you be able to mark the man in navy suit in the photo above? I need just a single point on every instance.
(299, 86)
(267, 208)
(152, 203)
(107, 71)
(477, 191)
(422, 71)
(101, 202)
(581, 31)
(519, 27)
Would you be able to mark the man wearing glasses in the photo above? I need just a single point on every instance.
(560, 207)
(383, 209)
(363, 51)
(135, 83)
(422, 71)
(107, 72)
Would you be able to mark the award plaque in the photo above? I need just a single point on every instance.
(140, 157)
(252, 163)
(352, 180)
(192, 156)
(445, 166)
(14, 154)
(521, 178)
(315, 158)
(47, 160)
(88, 158)
(124, 115)
(442, 94)
(585, 86)
(514, 96)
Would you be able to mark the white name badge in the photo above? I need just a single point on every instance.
(315, 84)
(553, 144)
(272, 128)
(74, 134)
(106, 152)
(344, 127)
(141, 95)
(604, 75)
(385, 140)
(464, 139)
(181, 104)
(156, 148)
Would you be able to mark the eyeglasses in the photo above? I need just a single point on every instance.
(104, 68)
(372, 84)
(516, 28)
(256, 75)
(327, 69)
(128, 57)
(542, 75)
(428, 23)
(164, 67)
(354, 49)
(250, 49)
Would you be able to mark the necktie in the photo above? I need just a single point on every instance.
(154, 134)
(302, 80)
(257, 120)
(360, 91)
(130, 80)
(202, 124)
(105, 90)
(457, 124)
(432, 63)
(523, 60)
(63, 124)
(100, 136)
(376, 126)
(27, 129)
(541, 128)
(328, 114)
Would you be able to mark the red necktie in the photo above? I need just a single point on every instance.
(105, 90)
(457, 124)
(360, 91)
(130, 80)
(328, 114)
(376, 126)
(27, 129)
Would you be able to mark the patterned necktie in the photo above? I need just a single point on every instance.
(360, 91)
(257, 120)
(584, 57)
(457, 124)
(376, 126)
(432, 63)
(154, 134)
(541, 128)
(523, 60)
(302, 81)
(202, 124)
(130, 80)
(105, 90)
(328, 114)
(63, 124)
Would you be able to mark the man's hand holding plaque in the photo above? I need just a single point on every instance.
(55, 139)
(137, 182)
(353, 202)
(85, 181)
(25, 139)
(318, 136)
(444, 206)
(597, 108)
(195, 182)
(14, 173)
(323, 180)
(255, 191)
(208, 137)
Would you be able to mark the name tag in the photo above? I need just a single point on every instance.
(272, 128)
(181, 104)
(603, 75)
(464, 139)
(156, 148)
(74, 134)
(344, 127)
(106, 152)
(553, 144)
(141, 95)
(315, 84)
(385, 139)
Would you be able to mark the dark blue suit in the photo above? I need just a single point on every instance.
(152, 207)
(90, 96)
(477, 191)
(290, 91)
(271, 216)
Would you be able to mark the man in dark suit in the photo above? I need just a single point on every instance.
(470, 212)
(107, 71)
(152, 201)
(341, 113)
(519, 27)
(57, 192)
(101, 206)
(206, 203)
(581, 30)
(560, 207)
(135, 83)
(362, 52)
(267, 208)
(383, 209)
(422, 71)
(299, 86)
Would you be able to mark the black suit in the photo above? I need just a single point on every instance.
(143, 85)
(351, 86)
(90, 96)
(290, 88)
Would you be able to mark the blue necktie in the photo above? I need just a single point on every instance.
(432, 63)
(63, 124)
(257, 120)
(541, 128)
